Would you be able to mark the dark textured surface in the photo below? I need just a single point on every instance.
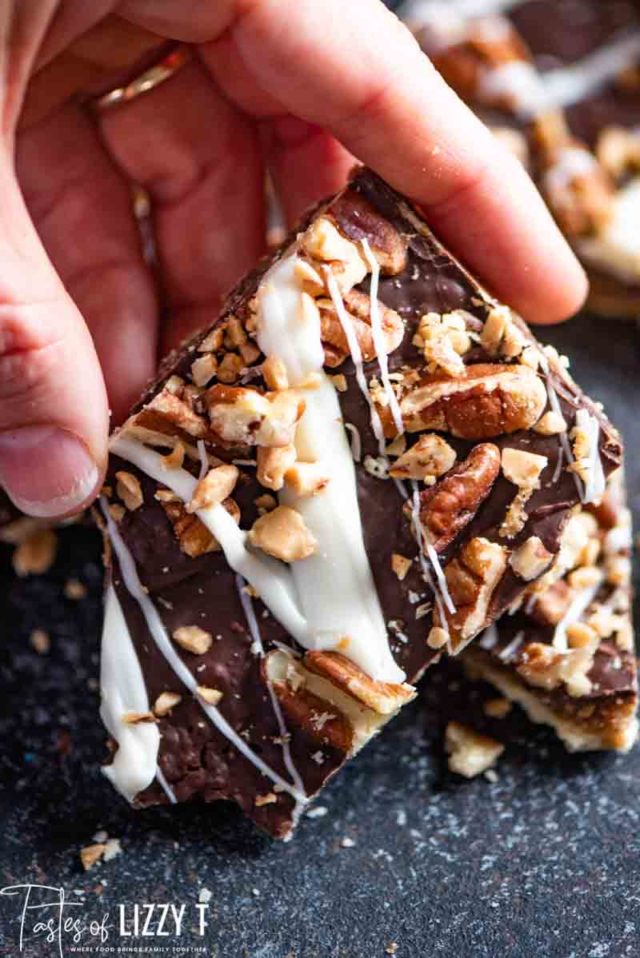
(543, 862)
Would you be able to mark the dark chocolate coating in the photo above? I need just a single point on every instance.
(195, 759)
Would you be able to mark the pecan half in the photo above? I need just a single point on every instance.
(359, 220)
(447, 508)
(358, 307)
(472, 578)
(489, 400)
(385, 698)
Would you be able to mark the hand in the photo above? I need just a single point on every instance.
(295, 86)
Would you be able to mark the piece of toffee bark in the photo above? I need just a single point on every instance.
(566, 656)
(320, 494)
(560, 81)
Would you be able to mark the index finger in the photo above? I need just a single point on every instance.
(356, 70)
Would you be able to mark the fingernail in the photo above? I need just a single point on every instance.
(46, 471)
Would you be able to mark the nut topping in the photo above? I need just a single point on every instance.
(208, 695)
(247, 417)
(385, 698)
(523, 469)
(193, 639)
(306, 478)
(128, 488)
(443, 341)
(447, 508)
(283, 534)
(324, 242)
(177, 410)
(215, 487)
(501, 336)
(359, 220)
(358, 307)
(530, 559)
(472, 577)
(470, 753)
(273, 464)
(165, 702)
(487, 401)
(194, 537)
(428, 459)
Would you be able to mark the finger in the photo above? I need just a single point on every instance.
(199, 159)
(353, 68)
(306, 163)
(82, 209)
(53, 409)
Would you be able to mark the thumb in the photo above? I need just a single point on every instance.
(53, 404)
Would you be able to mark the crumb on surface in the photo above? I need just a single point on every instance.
(470, 753)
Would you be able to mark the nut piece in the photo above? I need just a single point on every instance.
(165, 702)
(203, 369)
(90, 855)
(552, 604)
(472, 578)
(400, 565)
(618, 150)
(215, 487)
(488, 401)
(497, 708)
(428, 459)
(247, 417)
(523, 469)
(530, 559)
(551, 424)
(443, 341)
(501, 336)
(274, 373)
(437, 638)
(283, 534)
(545, 667)
(128, 488)
(273, 464)
(176, 408)
(35, 554)
(194, 537)
(359, 220)
(323, 241)
(358, 307)
(208, 695)
(306, 479)
(138, 718)
(193, 639)
(384, 698)
(470, 753)
(447, 508)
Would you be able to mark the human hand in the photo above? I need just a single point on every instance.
(297, 87)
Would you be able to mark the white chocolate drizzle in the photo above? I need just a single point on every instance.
(567, 85)
(159, 635)
(256, 636)
(516, 641)
(378, 339)
(334, 586)
(594, 484)
(134, 764)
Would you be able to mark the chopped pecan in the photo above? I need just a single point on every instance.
(359, 220)
(501, 335)
(530, 559)
(273, 464)
(472, 577)
(489, 400)
(443, 341)
(358, 307)
(385, 698)
(545, 667)
(448, 507)
(194, 537)
(306, 478)
(283, 534)
(175, 404)
(618, 150)
(193, 639)
(470, 753)
(35, 554)
(215, 487)
(247, 417)
(428, 459)
(325, 243)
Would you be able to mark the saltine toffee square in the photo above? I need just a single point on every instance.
(559, 81)
(361, 465)
(566, 654)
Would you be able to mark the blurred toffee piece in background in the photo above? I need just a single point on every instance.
(559, 82)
